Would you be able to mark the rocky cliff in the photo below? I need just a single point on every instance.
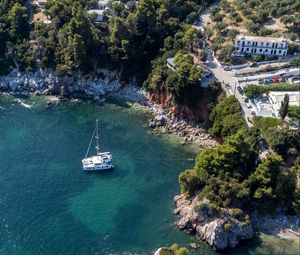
(220, 230)
(91, 87)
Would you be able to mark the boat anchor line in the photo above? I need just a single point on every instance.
(152, 159)
(124, 157)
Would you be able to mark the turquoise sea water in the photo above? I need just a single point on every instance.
(48, 205)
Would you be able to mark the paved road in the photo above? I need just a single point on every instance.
(226, 77)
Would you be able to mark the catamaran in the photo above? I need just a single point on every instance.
(102, 160)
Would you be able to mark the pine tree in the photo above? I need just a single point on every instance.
(283, 111)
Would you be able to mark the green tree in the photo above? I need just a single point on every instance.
(203, 55)
(283, 111)
(189, 182)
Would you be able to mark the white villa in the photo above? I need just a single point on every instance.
(255, 45)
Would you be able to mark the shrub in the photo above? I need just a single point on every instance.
(294, 62)
(236, 213)
(293, 36)
(181, 251)
(225, 54)
(174, 249)
(210, 208)
(189, 181)
(203, 55)
(247, 219)
(238, 19)
(218, 17)
(219, 40)
(220, 26)
(227, 227)
(264, 123)
(232, 33)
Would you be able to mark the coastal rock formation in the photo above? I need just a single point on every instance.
(166, 122)
(157, 252)
(96, 87)
(219, 230)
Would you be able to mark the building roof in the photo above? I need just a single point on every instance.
(40, 1)
(98, 12)
(277, 97)
(263, 107)
(170, 61)
(103, 2)
(261, 39)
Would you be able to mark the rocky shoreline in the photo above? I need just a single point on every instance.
(220, 230)
(223, 230)
(97, 88)
(165, 122)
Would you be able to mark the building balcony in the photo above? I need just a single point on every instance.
(263, 47)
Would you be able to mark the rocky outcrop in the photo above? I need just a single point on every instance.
(158, 251)
(166, 122)
(220, 230)
(90, 87)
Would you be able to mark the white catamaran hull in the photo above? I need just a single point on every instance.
(101, 161)
(98, 168)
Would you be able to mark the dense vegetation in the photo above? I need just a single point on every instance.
(129, 40)
(294, 115)
(233, 176)
(279, 138)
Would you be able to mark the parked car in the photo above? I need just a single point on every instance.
(268, 80)
(253, 64)
(240, 90)
(245, 99)
(260, 81)
(253, 113)
(276, 79)
(282, 79)
(227, 68)
(296, 81)
(208, 49)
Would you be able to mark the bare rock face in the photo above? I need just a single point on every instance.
(220, 231)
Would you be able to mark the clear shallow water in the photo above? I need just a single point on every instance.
(48, 205)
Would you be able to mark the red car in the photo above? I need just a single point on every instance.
(276, 79)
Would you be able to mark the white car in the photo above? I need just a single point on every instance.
(227, 68)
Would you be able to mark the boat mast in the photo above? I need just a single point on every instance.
(97, 136)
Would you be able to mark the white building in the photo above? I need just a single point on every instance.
(100, 15)
(255, 45)
(103, 4)
(277, 97)
(263, 106)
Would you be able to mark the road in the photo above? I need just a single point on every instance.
(226, 77)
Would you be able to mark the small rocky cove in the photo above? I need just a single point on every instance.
(105, 83)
